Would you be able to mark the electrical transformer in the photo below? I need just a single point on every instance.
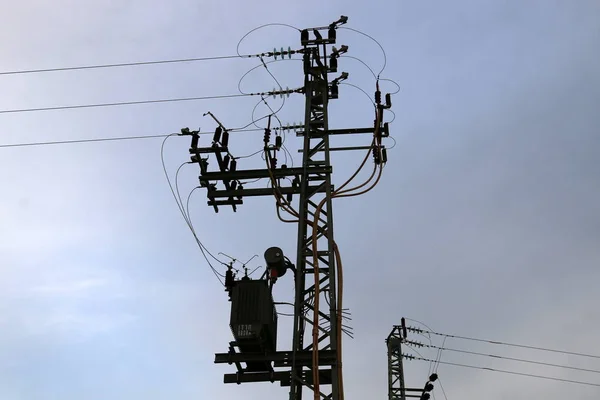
(253, 318)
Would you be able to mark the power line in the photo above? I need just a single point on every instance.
(95, 140)
(505, 343)
(125, 103)
(504, 358)
(177, 198)
(442, 387)
(507, 372)
(81, 141)
(129, 64)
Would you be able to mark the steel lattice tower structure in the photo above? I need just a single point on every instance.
(316, 152)
(298, 367)
(396, 386)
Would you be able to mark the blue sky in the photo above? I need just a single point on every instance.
(486, 221)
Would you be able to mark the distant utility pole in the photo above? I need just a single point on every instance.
(314, 361)
(397, 389)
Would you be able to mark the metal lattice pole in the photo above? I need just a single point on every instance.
(315, 154)
(305, 365)
(396, 387)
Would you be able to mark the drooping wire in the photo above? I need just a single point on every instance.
(187, 202)
(274, 114)
(394, 145)
(187, 217)
(253, 122)
(377, 78)
(439, 355)
(361, 89)
(394, 114)
(187, 214)
(129, 64)
(203, 249)
(251, 155)
(512, 344)
(258, 66)
(509, 372)
(393, 81)
(95, 140)
(263, 101)
(237, 49)
(373, 39)
(124, 103)
(443, 348)
(442, 387)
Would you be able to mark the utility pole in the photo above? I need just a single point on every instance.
(397, 389)
(314, 361)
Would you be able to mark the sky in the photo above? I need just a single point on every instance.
(485, 224)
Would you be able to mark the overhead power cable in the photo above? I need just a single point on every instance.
(129, 64)
(442, 348)
(505, 343)
(177, 198)
(125, 103)
(506, 371)
(111, 139)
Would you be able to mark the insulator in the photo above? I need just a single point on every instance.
(290, 197)
(234, 185)
(425, 396)
(240, 187)
(287, 91)
(278, 141)
(428, 387)
(378, 97)
(282, 53)
(275, 53)
(233, 165)
(335, 91)
(194, 144)
(384, 155)
(433, 377)
(403, 322)
(267, 137)
(304, 36)
(331, 34)
(274, 92)
(185, 131)
(226, 160)
(306, 63)
(273, 163)
(217, 135)
(333, 64)
(388, 100)
(203, 165)
(376, 155)
(225, 139)
(386, 129)
(229, 279)
(289, 52)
